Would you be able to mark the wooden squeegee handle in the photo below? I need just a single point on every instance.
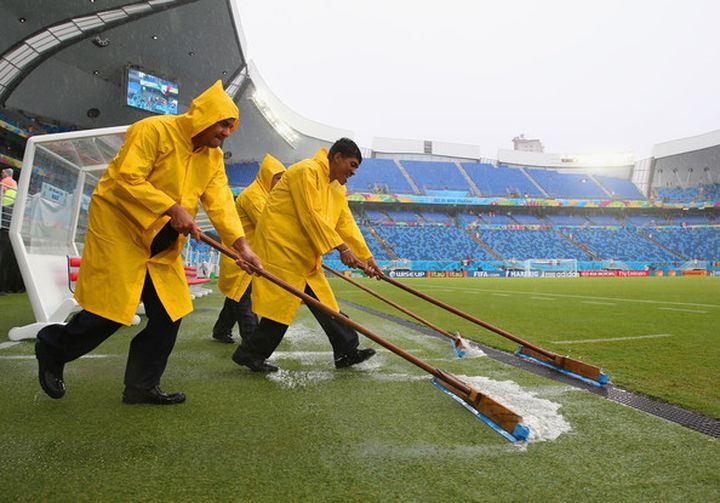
(468, 317)
(392, 303)
(342, 318)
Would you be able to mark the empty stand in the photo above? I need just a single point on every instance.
(379, 176)
(528, 219)
(432, 242)
(403, 216)
(376, 217)
(436, 217)
(620, 244)
(242, 174)
(677, 194)
(701, 243)
(571, 185)
(437, 175)
(601, 219)
(527, 244)
(620, 188)
(501, 181)
(566, 219)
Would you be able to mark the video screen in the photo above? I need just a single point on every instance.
(150, 93)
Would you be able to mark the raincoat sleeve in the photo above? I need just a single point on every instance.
(306, 196)
(349, 231)
(139, 199)
(252, 207)
(217, 199)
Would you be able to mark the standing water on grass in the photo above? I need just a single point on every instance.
(539, 414)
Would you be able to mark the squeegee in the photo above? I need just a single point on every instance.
(500, 418)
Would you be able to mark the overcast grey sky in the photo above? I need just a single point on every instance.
(581, 76)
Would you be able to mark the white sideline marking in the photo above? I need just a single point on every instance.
(682, 310)
(10, 344)
(613, 339)
(570, 296)
(502, 295)
(599, 303)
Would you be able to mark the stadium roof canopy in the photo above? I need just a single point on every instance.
(67, 62)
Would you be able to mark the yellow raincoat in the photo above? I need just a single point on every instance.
(250, 204)
(306, 216)
(154, 169)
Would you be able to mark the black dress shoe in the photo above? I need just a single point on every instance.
(354, 357)
(153, 395)
(225, 338)
(50, 374)
(255, 365)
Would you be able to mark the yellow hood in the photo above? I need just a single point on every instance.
(269, 167)
(212, 106)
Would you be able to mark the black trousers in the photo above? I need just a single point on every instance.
(268, 335)
(239, 312)
(149, 349)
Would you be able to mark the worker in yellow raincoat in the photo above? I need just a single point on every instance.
(140, 212)
(306, 216)
(233, 281)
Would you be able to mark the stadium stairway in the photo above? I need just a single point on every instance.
(473, 188)
(391, 253)
(660, 245)
(602, 187)
(535, 183)
(578, 245)
(482, 243)
(407, 177)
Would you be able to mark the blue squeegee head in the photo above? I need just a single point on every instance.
(520, 434)
(602, 381)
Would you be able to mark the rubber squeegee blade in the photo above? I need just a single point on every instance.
(520, 433)
(459, 352)
(601, 381)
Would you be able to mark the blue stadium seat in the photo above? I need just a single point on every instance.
(432, 216)
(431, 242)
(677, 194)
(527, 219)
(568, 219)
(403, 216)
(620, 188)
(436, 175)
(620, 244)
(702, 243)
(496, 218)
(528, 244)
(501, 181)
(376, 217)
(601, 219)
(242, 174)
(567, 185)
(378, 176)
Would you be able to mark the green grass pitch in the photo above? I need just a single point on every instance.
(380, 431)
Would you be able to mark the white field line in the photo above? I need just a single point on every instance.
(569, 296)
(10, 344)
(599, 303)
(682, 310)
(613, 339)
(502, 295)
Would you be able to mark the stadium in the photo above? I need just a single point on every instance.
(610, 260)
